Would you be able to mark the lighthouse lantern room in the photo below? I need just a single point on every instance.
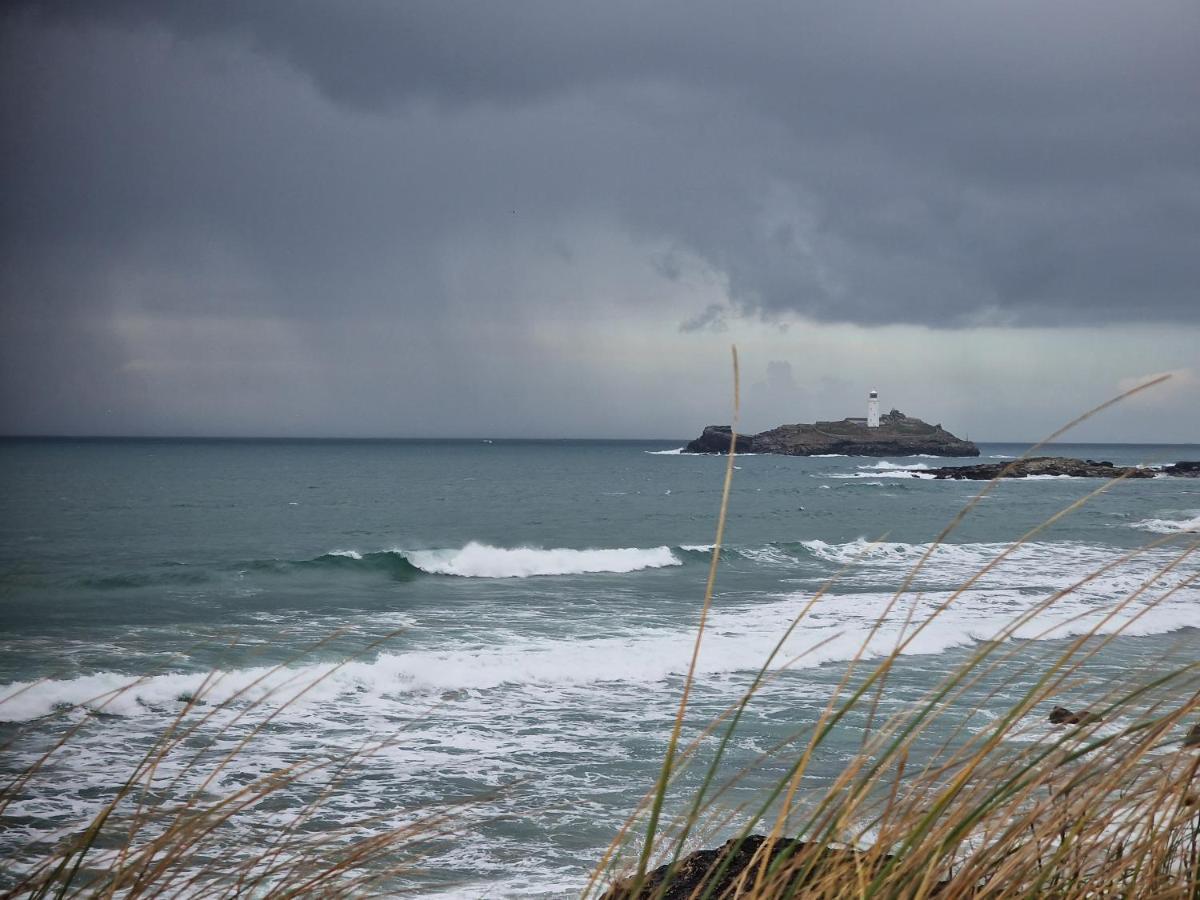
(873, 409)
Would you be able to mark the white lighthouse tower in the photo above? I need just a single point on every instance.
(873, 409)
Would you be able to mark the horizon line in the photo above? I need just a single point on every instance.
(479, 438)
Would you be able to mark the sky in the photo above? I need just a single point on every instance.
(548, 219)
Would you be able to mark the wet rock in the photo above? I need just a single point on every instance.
(1192, 738)
(1184, 469)
(1040, 466)
(1060, 715)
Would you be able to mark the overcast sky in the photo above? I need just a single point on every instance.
(553, 218)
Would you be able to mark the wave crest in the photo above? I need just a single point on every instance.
(477, 560)
(1170, 526)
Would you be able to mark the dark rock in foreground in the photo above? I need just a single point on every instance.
(1192, 738)
(1040, 465)
(1060, 715)
(713, 872)
(896, 435)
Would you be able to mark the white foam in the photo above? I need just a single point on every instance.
(886, 466)
(697, 548)
(674, 452)
(1029, 565)
(738, 640)
(1170, 526)
(740, 636)
(124, 695)
(477, 560)
(1000, 456)
(770, 556)
(499, 705)
(349, 554)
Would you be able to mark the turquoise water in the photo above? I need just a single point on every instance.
(536, 603)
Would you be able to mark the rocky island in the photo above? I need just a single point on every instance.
(895, 435)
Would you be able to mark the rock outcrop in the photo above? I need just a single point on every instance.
(1040, 466)
(1184, 469)
(897, 435)
(715, 439)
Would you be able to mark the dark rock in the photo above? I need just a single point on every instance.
(1192, 738)
(1059, 465)
(1060, 715)
(1040, 465)
(715, 439)
(700, 873)
(897, 435)
(1184, 469)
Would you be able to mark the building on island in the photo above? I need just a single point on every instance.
(890, 434)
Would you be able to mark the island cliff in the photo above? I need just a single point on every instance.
(896, 435)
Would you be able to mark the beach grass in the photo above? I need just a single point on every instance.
(1106, 804)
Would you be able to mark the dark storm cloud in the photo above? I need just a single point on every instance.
(345, 168)
(942, 163)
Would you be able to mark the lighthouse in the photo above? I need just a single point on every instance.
(873, 409)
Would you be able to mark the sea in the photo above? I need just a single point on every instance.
(494, 633)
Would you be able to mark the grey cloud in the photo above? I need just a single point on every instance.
(711, 318)
(1005, 161)
(331, 165)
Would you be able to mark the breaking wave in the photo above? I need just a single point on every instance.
(484, 561)
(1170, 526)
(477, 560)
(739, 639)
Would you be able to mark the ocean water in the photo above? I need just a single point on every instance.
(511, 620)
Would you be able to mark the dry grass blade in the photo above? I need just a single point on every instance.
(1107, 807)
(669, 757)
